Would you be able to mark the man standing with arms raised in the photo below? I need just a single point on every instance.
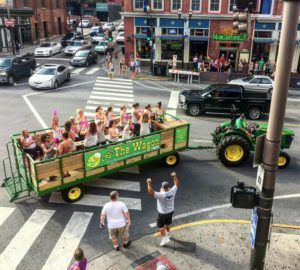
(165, 206)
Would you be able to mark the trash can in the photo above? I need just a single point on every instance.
(160, 70)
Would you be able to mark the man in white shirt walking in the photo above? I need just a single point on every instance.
(165, 206)
(118, 220)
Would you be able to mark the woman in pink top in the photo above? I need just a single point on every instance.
(56, 130)
(80, 261)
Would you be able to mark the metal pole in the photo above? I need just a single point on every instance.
(12, 40)
(182, 63)
(273, 138)
(81, 17)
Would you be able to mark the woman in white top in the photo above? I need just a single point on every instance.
(101, 138)
(145, 125)
(56, 130)
(136, 116)
(127, 133)
(29, 145)
(123, 117)
(90, 139)
(109, 116)
(113, 133)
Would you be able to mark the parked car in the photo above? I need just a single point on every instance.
(49, 77)
(256, 82)
(85, 23)
(219, 98)
(120, 38)
(98, 37)
(12, 68)
(84, 58)
(95, 30)
(121, 27)
(102, 46)
(75, 46)
(70, 37)
(109, 26)
(48, 49)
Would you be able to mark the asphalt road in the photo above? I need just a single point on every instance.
(206, 183)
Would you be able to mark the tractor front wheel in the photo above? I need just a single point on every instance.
(233, 151)
(171, 160)
(283, 160)
(72, 194)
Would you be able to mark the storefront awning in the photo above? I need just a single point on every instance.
(166, 23)
(203, 24)
(263, 40)
(171, 37)
(141, 21)
(202, 38)
(264, 26)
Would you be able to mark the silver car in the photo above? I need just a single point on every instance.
(75, 46)
(49, 77)
(256, 82)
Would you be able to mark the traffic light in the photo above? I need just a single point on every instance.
(241, 19)
(110, 38)
(149, 34)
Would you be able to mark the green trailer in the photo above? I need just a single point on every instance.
(25, 176)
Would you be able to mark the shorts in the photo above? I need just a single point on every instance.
(114, 233)
(164, 219)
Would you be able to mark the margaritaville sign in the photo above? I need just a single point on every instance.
(222, 37)
(115, 153)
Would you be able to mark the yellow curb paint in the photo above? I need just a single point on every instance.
(214, 221)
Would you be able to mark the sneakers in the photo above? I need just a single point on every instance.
(168, 235)
(117, 248)
(127, 244)
(164, 241)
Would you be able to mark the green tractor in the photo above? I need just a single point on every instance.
(235, 139)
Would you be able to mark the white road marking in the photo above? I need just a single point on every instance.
(153, 88)
(69, 240)
(115, 184)
(108, 103)
(21, 243)
(92, 71)
(34, 111)
(5, 212)
(89, 114)
(112, 90)
(111, 94)
(78, 70)
(159, 86)
(97, 201)
(112, 85)
(53, 58)
(172, 105)
(293, 100)
(171, 112)
(115, 79)
(112, 98)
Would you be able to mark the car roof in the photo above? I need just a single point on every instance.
(261, 76)
(51, 65)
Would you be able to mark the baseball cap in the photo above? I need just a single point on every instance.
(165, 185)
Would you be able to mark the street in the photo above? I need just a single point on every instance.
(206, 182)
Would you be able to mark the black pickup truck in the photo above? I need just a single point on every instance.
(12, 67)
(219, 98)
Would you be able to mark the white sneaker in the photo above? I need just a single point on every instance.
(168, 235)
(164, 241)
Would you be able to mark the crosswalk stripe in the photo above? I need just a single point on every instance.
(115, 79)
(114, 83)
(77, 70)
(108, 103)
(63, 251)
(5, 212)
(102, 85)
(112, 98)
(97, 201)
(115, 184)
(89, 114)
(111, 94)
(21, 243)
(92, 71)
(113, 90)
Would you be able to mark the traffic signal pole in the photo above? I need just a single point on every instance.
(271, 151)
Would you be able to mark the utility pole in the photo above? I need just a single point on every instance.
(271, 151)
(81, 8)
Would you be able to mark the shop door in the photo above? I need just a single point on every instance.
(45, 26)
(59, 26)
(229, 55)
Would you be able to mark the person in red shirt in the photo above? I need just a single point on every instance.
(222, 62)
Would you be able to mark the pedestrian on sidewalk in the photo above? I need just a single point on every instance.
(132, 68)
(165, 206)
(137, 65)
(118, 220)
(110, 70)
(80, 260)
(17, 47)
(122, 67)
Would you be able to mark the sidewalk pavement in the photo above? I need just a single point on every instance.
(207, 245)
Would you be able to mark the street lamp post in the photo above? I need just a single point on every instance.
(179, 12)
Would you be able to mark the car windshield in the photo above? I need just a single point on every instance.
(102, 43)
(76, 43)
(45, 45)
(247, 79)
(207, 89)
(5, 62)
(82, 53)
(94, 28)
(46, 71)
(99, 35)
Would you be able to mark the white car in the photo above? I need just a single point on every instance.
(109, 26)
(121, 27)
(256, 82)
(75, 46)
(96, 38)
(120, 38)
(85, 23)
(49, 76)
(101, 47)
(48, 49)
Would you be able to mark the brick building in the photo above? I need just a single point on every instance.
(35, 20)
(208, 32)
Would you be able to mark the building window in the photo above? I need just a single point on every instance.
(143, 49)
(176, 4)
(138, 4)
(172, 31)
(199, 32)
(58, 4)
(26, 3)
(196, 5)
(232, 3)
(263, 34)
(157, 4)
(170, 48)
(44, 3)
(266, 7)
(214, 5)
(141, 30)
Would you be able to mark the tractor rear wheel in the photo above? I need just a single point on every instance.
(72, 194)
(171, 160)
(233, 151)
(283, 160)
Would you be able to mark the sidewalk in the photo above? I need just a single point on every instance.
(207, 245)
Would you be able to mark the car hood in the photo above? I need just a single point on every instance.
(73, 48)
(237, 81)
(41, 77)
(4, 69)
(78, 58)
(43, 49)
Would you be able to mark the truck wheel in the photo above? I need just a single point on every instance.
(72, 194)
(171, 160)
(283, 160)
(11, 80)
(194, 109)
(254, 113)
(233, 150)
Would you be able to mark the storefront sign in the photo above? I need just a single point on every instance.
(109, 155)
(221, 37)
(181, 135)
